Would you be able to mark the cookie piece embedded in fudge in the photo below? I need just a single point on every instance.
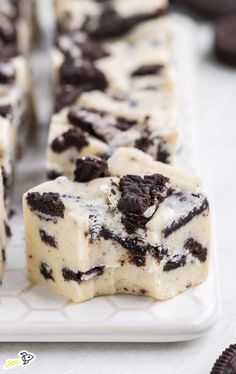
(148, 122)
(108, 235)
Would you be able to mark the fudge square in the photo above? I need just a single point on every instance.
(95, 126)
(140, 227)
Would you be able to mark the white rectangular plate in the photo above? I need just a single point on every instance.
(31, 313)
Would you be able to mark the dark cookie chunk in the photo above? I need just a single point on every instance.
(82, 73)
(86, 120)
(137, 195)
(196, 249)
(88, 50)
(7, 73)
(6, 111)
(53, 174)
(225, 40)
(163, 154)
(48, 203)
(211, 8)
(124, 124)
(144, 70)
(138, 250)
(7, 183)
(8, 33)
(96, 122)
(144, 142)
(3, 255)
(7, 229)
(92, 50)
(112, 25)
(7, 52)
(89, 168)
(176, 225)
(70, 275)
(172, 264)
(226, 363)
(46, 271)
(48, 239)
(66, 95)
(71, 138)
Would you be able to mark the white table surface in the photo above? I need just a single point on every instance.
(217, 130)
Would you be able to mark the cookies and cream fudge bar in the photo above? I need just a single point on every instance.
(117, 67)
(15, 83)
(14, 111)
(15, 97)
(127, 225)
(139, 59)
(101, 123)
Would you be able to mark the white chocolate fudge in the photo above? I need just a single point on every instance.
(140, 57)
(14, 115)
(106, 20)
(101, 123)
(4, 229)
(119, 67)
(140, 227)
(15, 87)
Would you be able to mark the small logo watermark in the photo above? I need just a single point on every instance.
(24, 358)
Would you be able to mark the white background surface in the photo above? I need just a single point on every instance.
(217, 128)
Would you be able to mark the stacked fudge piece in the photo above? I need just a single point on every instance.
(14, 94)
(114, 81)
(126, 225)
(116, 218)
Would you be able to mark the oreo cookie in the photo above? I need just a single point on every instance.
(89, 168)
(82, 73)
(145, 70)
(225, 40)
(70, 138)
(137, 195)
(226, 363)
(66, 95)
(48, 204)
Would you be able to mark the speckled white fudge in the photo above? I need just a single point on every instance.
(118, 67)
(15, 91)
(142, 228)
(140, 56)
(113, 19)
(14, 112)
(15, 82)
(101, 123)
